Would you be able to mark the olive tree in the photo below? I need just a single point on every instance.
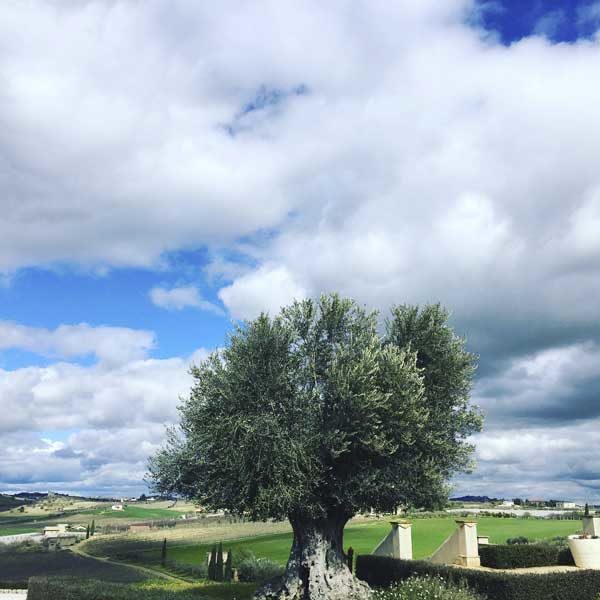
(314, 416)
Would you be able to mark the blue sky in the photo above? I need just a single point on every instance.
(168, 169)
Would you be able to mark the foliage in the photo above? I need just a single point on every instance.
(573, 585)
(313, 413)
(212, 564)
(13, 585)
(518, 556)
(41, 588)
(520, 539)
(426, 588)
(20, 547)
(228, 570)
(163, 552)
(350, 558)
(251, 568)
(219, 564)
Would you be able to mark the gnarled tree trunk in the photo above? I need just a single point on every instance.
(316, 569)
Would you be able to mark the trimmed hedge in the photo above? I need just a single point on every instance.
(516, 556)
(381, 571)
(13, 585)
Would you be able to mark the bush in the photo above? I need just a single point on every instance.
(42, 588)
(520, 539)
(251, 568)
(425, 588)
(518, 556)
(13, 585)
(381, 571)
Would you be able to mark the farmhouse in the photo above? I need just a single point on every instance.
(54, 531)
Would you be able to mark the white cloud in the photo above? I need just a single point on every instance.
(116, 416)
(111, 345)
(179, 298)
(265, 290)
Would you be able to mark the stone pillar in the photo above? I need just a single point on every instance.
(398, 542)
(468, 550)
(591, 525)
(402, 531)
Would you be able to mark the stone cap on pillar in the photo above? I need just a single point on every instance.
(466, 521)
(401, 523)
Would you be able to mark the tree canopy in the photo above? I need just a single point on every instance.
(314, 412)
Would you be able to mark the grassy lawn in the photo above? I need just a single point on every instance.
(428, 534)
(16, 529)
(132, 512)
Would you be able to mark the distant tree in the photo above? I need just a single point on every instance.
(87, 532)
(350, 558)
(586, 511)
(21, 509)
(228, 570)
(219, 563)
(212, 564)
(315, 416)
(93, 528)
(163, 553)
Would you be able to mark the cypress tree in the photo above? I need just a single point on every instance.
(163, 553)
(350, 559)
(587, 510)
(87, 532)
(93, 527)
(212, 563)
(219, 564)
(228, 572)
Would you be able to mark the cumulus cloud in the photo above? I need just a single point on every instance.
(265, 290)
(114, 416)
(178, 298)
(392, 152)
(537, 462)
(108, 344)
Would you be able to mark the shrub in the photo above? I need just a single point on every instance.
(425, 588)
(13, 585)
(42, 588)
(516, 556)
(251, 568)
(520, 539)
(382, 571)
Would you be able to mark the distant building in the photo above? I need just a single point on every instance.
(507, 504)
(565, 504)
(53, 531)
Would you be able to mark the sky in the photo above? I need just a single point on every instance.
(169, 168)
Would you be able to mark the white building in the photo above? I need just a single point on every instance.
(117, 507)
(566, 504)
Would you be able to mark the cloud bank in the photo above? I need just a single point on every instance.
(395, 153)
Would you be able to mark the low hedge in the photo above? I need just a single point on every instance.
(516, 556)
(66, 588)
(13, 585)
(381, 571)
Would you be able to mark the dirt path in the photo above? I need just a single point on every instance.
(145, 570)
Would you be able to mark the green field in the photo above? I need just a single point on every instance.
(132, 512)
(427, 534)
